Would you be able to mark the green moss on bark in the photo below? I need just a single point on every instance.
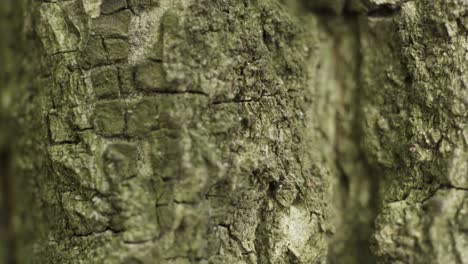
(414, 71)
(215, 132)
(189, 144)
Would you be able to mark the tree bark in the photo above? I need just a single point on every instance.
(414, 125)
(252, 131)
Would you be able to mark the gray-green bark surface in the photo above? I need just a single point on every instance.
(178, 132)
(414, 77)
(238, 131)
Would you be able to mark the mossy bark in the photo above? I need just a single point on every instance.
(256, 131)
(174, 132)
(414, 124)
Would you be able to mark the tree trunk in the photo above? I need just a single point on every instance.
(254, 131)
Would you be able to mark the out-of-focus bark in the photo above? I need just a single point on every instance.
(10, 86)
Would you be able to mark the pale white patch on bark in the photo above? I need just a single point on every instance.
(458, 169)
(144, 29)
(54, 30)
(298, 227)
(92, 7)
(387, 2)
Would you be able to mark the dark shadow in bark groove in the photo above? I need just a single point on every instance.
(354, 233)
(6, 225)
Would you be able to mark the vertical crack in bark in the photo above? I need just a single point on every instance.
(357, 188)
(366, 255)
(358, 244)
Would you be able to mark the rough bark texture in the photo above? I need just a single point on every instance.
(177, 132)
(237, 132)
(414, 123)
